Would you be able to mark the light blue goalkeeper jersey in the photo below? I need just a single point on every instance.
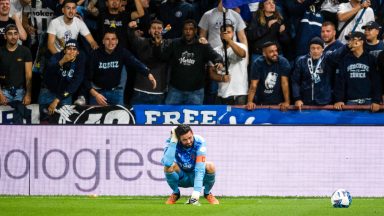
(188, 159)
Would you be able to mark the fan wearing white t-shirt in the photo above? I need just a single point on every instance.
(66, 27)
(360, 13)
(234, 85)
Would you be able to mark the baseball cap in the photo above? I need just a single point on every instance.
(372, 25)
(11, 27)
(71, 43)
(355, 34)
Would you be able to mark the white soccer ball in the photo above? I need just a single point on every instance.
(341, 198)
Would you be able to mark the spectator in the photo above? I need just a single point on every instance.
(329, 11)
(328, 35)
(352, 18)
(112, 17)
(187, 61)
(372, 44)
(144, 50)
(16, 69)
(271, 71)
(66, 27)
(210, 25)
(144, 22)
(358, 81)
(212, 21)
(311, 78)
(65, 72)
(5, 20)
(174, 13)
(380, 67)
(310, 26)
(103, 77)
(266, 25)
(232, 86)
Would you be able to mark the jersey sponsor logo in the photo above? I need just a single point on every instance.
(187, 59)
(107, 65)
(19, 59)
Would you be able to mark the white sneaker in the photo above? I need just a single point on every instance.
(80, 101)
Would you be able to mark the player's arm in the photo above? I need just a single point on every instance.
(170, 150)
(199, 170)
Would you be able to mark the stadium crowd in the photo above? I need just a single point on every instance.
(108, 52)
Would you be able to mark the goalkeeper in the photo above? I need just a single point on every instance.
(185, 166)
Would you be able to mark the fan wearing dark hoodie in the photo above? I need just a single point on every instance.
(106, 64)
(64, 74)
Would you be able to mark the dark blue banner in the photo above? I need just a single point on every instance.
(225, 115)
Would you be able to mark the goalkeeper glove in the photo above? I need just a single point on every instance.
(173, 135)
(193, 201)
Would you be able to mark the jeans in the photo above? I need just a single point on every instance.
(46, 97)
(114, 96)
(177, 97)
(145, 98)
(14, 94)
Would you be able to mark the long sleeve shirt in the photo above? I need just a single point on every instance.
(64, 81)
(188, 159)
(105, 69)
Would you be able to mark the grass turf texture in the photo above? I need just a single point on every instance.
(107, 205)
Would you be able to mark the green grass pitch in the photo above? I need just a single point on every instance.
(127, 206)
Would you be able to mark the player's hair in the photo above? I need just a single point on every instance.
(182, 129)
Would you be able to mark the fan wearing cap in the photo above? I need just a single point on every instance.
(15, 69)
(358, 80)
(372, 44)
(311, 78)
(64, 74)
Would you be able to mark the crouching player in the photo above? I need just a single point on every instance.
(185, 166)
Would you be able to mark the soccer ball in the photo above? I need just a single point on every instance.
(341, 198)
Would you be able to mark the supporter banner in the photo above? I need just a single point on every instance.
(250, 161)
(71, 114)
(202, 114)
(8, 113)
(147, 114)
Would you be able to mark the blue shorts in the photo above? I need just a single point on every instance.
(187, 179)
